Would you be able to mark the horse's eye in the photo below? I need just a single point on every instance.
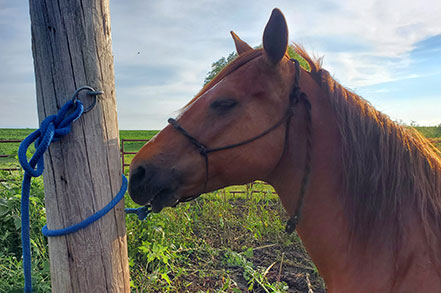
(223, 105)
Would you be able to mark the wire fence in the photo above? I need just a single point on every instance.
(129, 147)
(8, 162)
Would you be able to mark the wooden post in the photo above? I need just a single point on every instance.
(123, 163)
(71, 45)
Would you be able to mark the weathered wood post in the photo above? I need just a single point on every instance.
(71, 45)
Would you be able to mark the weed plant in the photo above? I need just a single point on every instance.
(201, 245)
(221, 242)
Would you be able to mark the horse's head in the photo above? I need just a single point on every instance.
(249, 96)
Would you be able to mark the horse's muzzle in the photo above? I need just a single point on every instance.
(149, 184)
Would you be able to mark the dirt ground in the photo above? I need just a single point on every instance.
(287, 263)
(294, 269)
(291, 266)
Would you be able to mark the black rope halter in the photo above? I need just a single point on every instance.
(294, 97)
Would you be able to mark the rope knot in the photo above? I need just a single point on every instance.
(294, 96)
(202, 149)
(52, 128)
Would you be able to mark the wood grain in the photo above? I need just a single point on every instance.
(71, 46)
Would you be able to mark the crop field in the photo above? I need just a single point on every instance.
(432, 133)
(221, 242)
(11, 149)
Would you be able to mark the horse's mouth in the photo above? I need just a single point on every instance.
(156, 187)
(167, 198)
(164, 198)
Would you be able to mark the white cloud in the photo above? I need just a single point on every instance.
(389, 29)
(364, 43)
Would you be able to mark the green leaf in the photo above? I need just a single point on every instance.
(17, 223)
(166, 278)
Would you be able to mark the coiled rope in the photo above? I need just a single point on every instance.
(52, 129)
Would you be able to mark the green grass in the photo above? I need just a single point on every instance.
(221, 242)
(430, 131)
(137, 134)
(11, 266)
(134, 146)
(11, 149)
(433, 133)
(14, 133)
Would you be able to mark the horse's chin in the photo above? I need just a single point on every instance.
(168, 199)
(165, 198)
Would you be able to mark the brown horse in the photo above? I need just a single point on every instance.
(371, 189)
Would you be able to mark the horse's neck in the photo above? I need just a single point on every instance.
(346, 264)
(323, 227)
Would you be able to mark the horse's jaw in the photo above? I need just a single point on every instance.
(165, 198)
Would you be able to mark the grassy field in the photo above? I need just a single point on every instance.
(431, 132)
(221, 242)
(11, 149)
(134, 146)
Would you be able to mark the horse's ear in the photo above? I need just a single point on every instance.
(275, 37)
(241, 46)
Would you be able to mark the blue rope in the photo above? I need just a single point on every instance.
(142, 212)
(86, 222)
(53, 128)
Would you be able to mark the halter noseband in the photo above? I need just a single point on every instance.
(294, 97)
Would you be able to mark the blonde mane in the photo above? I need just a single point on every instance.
(390, 172)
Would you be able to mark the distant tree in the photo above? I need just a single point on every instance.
(293, 54)
(438, 130)
(217, 66)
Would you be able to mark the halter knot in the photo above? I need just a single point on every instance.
(292, 224)
(202, 149)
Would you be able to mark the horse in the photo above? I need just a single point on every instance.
(363, 192)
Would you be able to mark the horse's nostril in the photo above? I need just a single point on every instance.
(138, 174)
(136, 185)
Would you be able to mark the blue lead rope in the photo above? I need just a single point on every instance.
(86, 222)
(53, 128)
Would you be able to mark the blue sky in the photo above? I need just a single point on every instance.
(387, 51)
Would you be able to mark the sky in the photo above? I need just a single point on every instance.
(387, 51)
